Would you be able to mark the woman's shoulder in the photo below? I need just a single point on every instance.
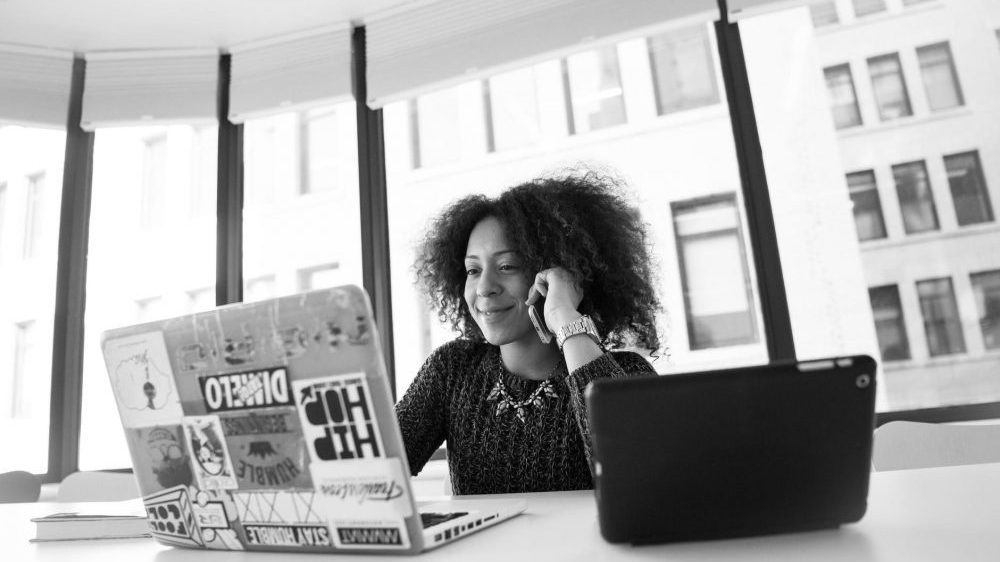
(631, 361)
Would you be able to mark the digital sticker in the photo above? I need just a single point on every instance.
(374, 488)
(161, 457)
(266, 448)
(212, 466)
(278, 520)
(171, 518)
(245, 389)
(338, 419)
(142, 379)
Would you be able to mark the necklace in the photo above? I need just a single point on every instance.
(537, 399)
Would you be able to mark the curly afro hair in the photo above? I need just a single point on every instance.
(578, 221)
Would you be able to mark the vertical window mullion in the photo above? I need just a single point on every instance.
(229, 198)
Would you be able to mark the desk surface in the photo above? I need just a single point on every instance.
(948, 513)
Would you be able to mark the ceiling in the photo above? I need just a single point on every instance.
(103, 25)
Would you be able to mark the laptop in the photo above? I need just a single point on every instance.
(740, 452)
(270, 426)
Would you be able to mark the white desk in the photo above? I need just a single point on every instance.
(931, 514)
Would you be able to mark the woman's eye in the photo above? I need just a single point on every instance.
(470, 271)
(508, 267)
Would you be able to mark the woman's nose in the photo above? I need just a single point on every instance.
(487, 286)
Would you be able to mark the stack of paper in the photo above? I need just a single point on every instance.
(101, 520)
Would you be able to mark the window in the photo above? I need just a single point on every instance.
(154, 181)
(714, 275)
(26, 364)
(889, 87)
(986, 289)
(319, 150)
(595, 89)
(149, 309)
(264, 160)
(447, 115)
(319, 277)
(683, 72)
(515, 118)
(912, 2)
(843, 99)
(34, 216)
(3, 213)
(201, 299)
(942, 323)
(916, 200)
(940, 78)
(867, 208)
(259, 288)
(968, 188)
(204, 171)
(867, 7)
(823, 14)
(889, 326)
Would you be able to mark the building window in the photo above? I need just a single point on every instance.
(890, 329)
(3, 212)
(866, 7)
(154, 181)
(259, 288)
(34, 215)
(262, 161)
(867, 206)
(150, 309)
(986, 288)
(940, 78)
(683, 72)
(512, 99)
(26, 365)
(437, 128)
(941, 321)
(715, 279)
(843, 98)
(319, 277)
(204, 171)
(916, 201)
(595, 89)
(200, 300)
(824, 14)
(968, 188)
(889, 86)
(318, 150)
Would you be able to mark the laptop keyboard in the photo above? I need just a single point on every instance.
(431, 519)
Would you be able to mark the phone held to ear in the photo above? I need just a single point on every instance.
(536, 318)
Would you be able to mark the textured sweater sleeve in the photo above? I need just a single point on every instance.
(615, 365)
(422, 412)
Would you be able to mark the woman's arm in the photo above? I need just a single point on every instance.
(422, 412)
(613, 365)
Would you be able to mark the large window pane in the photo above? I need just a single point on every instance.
(823, 14)
(940, 78)
(674, 161)
(31, 174)
(843, 99)
(867, 7)
(151, 254)
(940, 313)
(986, 289)
(516, 110)
(889, 87)
(867, 208)
(916, 200)
(968, 188)
(301, 211)
(923, 167)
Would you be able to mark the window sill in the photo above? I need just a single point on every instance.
(924, 237)
(904, 122)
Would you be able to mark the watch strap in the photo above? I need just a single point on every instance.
(582, 325)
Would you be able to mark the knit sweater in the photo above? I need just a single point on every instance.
(494, 454)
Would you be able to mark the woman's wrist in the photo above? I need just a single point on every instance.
(562, 316)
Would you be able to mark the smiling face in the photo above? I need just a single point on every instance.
(496, 285)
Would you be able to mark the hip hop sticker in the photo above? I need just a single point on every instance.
(338, 419)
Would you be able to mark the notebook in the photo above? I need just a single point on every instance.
(270, 426)
(740, 452)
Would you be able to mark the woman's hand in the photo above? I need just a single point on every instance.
(562, 295)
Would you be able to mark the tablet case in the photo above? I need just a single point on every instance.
(740, 452)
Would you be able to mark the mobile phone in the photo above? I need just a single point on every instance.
(536, 318)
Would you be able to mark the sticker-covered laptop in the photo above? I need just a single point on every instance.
(270, 426)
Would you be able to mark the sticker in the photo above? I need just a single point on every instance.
(142, 379)
(194, 357)
(214, 513)
(338, 419)
(278, 520)
(212, 466)
(246, 389)
(292, 341)
(373, 535)
(171, 518)
(373, 488)
(237, 351)
(267, 449)
(161, 458)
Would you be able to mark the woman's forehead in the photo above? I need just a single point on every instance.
(488, 238)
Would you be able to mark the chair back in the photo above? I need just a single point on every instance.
(903, 444)
(19, 486)
(98, 486)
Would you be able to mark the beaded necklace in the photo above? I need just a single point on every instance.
(537, 399)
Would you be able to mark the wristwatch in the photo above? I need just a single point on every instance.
(582, 325)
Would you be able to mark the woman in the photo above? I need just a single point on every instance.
(511, 406)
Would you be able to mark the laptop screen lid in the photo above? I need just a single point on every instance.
(266, 426)
(755, 450)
